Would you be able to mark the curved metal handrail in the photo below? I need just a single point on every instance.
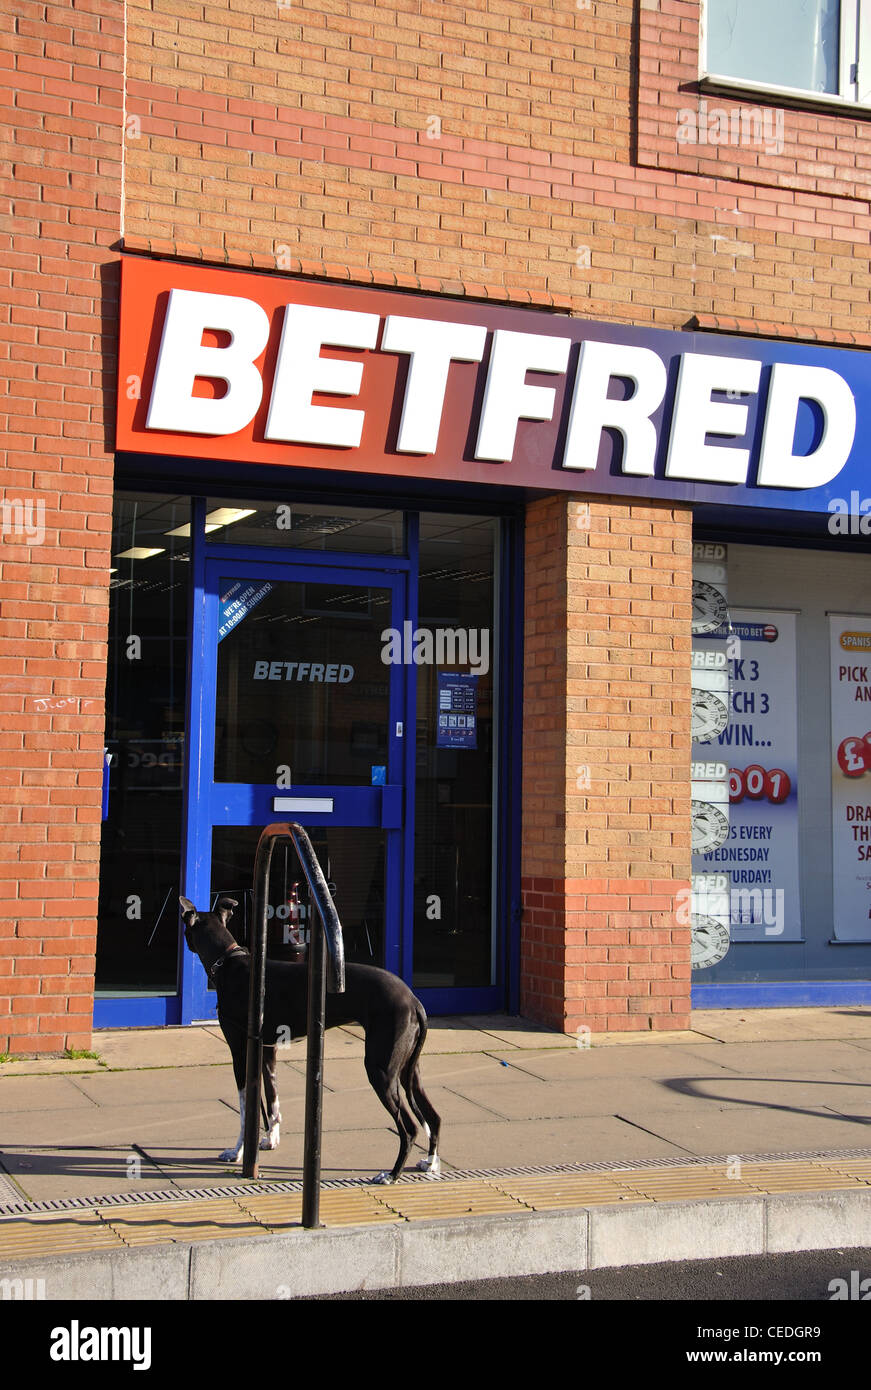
(332, 938)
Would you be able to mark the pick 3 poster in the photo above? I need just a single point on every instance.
(851, 775)
(759, 745)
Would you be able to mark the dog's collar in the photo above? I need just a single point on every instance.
(231, 951)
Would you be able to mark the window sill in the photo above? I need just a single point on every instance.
(782, 96)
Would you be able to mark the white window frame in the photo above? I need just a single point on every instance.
(854, 66)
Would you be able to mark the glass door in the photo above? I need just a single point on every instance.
(302, 720)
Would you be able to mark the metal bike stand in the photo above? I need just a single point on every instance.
(331, 938)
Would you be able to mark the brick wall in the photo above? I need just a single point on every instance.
(491, 148)
(606, 777)
(58, 233)
(494, 148)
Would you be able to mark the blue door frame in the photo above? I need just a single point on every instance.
(193, 1002)
(213, 803)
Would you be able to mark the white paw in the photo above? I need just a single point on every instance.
(230, 1155)
(383, 1179)
(431, 1166)
(270, 1140)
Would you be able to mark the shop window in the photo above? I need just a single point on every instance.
(304, 526)
(813, 47)
(456, 631)
(140, 869)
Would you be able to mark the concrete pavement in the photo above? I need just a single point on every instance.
(552, 1151)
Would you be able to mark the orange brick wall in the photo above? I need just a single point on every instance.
(495, 148)
(61, 120)
(606, 788)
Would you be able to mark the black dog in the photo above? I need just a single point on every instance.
(392, 1018)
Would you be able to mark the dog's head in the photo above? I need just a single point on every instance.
(206, 933)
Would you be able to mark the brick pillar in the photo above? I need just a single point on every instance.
(606, 764)
(63, 100)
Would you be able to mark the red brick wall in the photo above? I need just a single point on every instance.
(606, 777)
(492, 148)
(61, 117)
(495, 148)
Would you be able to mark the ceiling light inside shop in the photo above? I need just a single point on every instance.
(222, 516)
(138, 552)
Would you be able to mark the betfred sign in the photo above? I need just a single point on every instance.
(264, 369)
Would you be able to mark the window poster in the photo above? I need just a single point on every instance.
(457, 710)
(759, 746)
(851, 776)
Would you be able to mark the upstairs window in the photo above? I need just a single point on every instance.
(812, 48)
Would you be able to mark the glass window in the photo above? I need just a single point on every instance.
(795, 45)
(137, 940)
(326, 717)
(453, 867)
(353, 860)
(304, 525)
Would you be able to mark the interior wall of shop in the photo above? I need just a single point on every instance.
(812, 583)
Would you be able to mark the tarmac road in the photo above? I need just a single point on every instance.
(805, 1277)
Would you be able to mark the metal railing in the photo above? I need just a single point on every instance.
(328, 941)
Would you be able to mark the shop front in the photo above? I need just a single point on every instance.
(346, 521)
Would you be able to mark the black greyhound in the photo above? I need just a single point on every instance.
(392, 1018)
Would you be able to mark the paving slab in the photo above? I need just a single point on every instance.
(517, 1032)
(760, 1129)
(48, 1066)
(593, 1063)
(159, 1047)
(48, 1093)
(634, 1098)
(45, 1173)
(791, 1058)
(763, 1025)
(164, 1085)
(501, 1143)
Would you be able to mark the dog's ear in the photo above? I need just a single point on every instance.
(224, 908)
(186, 905)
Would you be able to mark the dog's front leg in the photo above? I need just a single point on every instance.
(232, 1154)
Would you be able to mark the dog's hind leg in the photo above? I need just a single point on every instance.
(420, 1103)
(429, 1117)
(270, 1093)
(387, 1091)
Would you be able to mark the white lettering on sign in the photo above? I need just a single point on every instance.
(708, 772)
(302, 671)
(182, 358)
(507, 397)
(791, 383)
(696, 416)
(594, 411)
(300, 371)
(432, 346)
(708, 661)
(708, 439)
